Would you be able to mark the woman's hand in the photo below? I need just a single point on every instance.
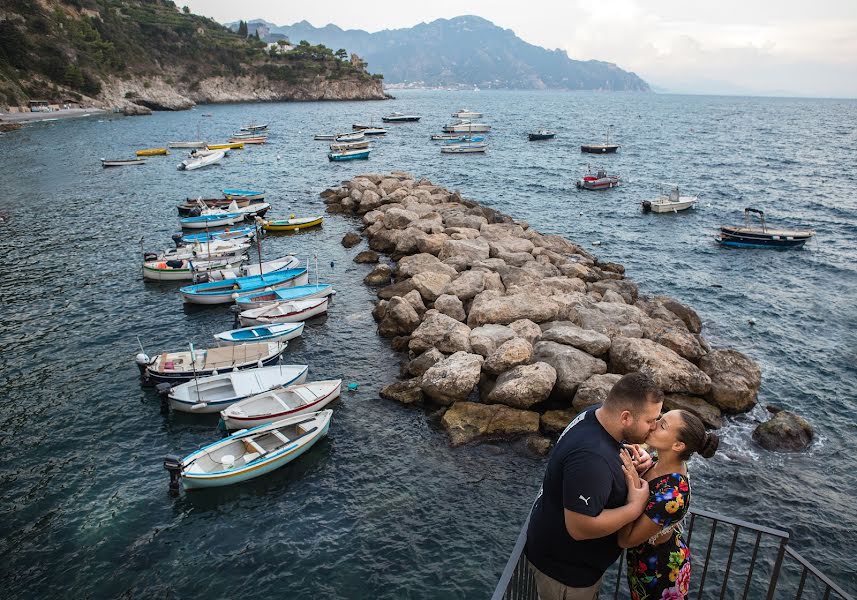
(638, 489)
(642, 460)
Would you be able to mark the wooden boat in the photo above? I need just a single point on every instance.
(254, 268)
(762, 237)
(605, 148)
(224, 292)
(183, 365)
(280, 403)
(153, 152)
(186, 208)
(119, 162)
(349, 155)
(464, 113)
(324, 137)
(251, 127)
(191, 164)
(292, 223)
(229, 146)
(600, 181)
(185, 270)
(541, 134)
(466, 148)
(238, 234)
(276, 332)
(249, 134)
(350, 137)
(248, 454)
(251, 194)
(465, 126)
(297, 292)
(218, 219)
(344, 146)
(186, 144)
(291, 311)
(672, 202)
(450, 137)
(213, 393)
(249, 140)
(203, 250)
(398, 117)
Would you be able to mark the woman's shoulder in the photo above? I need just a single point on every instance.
(670, 480)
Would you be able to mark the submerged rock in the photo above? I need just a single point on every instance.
(785, 432)
(406, 392)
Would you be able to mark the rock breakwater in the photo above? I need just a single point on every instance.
(513, 332)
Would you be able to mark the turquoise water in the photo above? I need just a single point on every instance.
(383, 508)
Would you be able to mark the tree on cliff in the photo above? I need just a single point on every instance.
(242, 28)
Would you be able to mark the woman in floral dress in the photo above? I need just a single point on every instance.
(658, 556)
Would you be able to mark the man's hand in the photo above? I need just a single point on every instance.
(638, 489)
(642, 460)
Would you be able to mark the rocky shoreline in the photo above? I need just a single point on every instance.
(512, 332)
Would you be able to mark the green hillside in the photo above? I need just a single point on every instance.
(67, 48)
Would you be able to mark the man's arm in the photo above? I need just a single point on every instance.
(583, 527)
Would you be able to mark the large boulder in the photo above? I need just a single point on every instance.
(670, 372)
(380, 275)
(524, 386)
(710, 415)
(625, 288)
(431, 243)
(461, 233)
(400, 318)
(399, 218)
(453, 378)
(369, 200)
(510, 245)
(573, 366)
(594, 390)
(470, 250)
(487, 338)
(526, 329)
(785, 432)
(555, 421)
(385, 240)
(613, 320)
(468, 221)
(591, 342)
(366, 257)
(450, 306)
(677, 339)
(508, 355)
(406, 392)
(735, 380)
(489, 307)
(424, 362)
(466, 285)
(683, 312)
(441, 332)
(408, 266)
(350, 239)
(430, 284)
(467, 421)
(499, 231)
(400, 288)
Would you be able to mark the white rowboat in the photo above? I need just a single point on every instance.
(290, 311)
(280, 403)
(276, 332)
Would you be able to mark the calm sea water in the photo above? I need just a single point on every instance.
(383, 508)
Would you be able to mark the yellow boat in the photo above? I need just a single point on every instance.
(291, 224)
(153, 152)
(232, 146)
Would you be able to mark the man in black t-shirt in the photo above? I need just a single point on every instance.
(586, 497)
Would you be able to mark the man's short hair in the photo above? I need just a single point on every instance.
(632, 392)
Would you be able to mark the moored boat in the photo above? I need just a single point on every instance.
(248, 454)
(541, 134)
(186, 208)
(466, 126)
(245, 270)
(226, 291)
(280, 403)
(213, 393)
(600, 181)
(252, 127)
(191, 164)
(747, 236)
(183, 365)
(249, 140)
(464, 113)
(228, 146)
(350, 137)
(213, 249)
(185, 270)
(238, 233)
(298, 292)
(605, 148)
(218, 219)
(152, 152)
(289, 311)
(292, 223)
(251, 194)
(324, 137)
(186, 144)
(373, 131)
(275, 332)
(465, 148)
(349, 155)
(398, 117)
(344, 146)
(672, 202)
(120, 162)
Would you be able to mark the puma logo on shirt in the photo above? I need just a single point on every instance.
(586, 500)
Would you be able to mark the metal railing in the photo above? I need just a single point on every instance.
(742, 560)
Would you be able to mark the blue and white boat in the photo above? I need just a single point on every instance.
(464, 138)
(298, 292)
(275, 332)
(341, 155)
(248, 453)
(230, 234)
(218, 219)
(224, 292)
(251, 194)
(214, 393)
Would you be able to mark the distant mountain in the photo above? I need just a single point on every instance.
(465, 50)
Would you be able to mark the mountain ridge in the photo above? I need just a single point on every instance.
(465, 50)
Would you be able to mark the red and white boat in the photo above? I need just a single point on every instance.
(600, 181)
(281, 403)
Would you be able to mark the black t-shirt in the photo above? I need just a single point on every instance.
(584, 475)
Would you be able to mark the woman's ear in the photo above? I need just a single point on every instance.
(679, 447)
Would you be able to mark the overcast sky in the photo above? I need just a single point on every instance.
(790, 47)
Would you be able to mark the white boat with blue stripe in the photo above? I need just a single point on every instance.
(298, 292)
(231, 234)
(275, 332)
(224, 292)
(214, 393)
(218, 219)
(248, 453)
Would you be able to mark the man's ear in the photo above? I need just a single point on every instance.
(626, 417)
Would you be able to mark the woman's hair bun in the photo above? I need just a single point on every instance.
(709, 445)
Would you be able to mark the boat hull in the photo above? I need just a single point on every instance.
(605, 183)
(348, 155)
(404, 119)
(534, 137)
(599, 148)
(235, 336)
(225, 297)
(234, 421)
(175, 377)
(260, 300)
(152, 152)
(230, 146)
(185, 273)
(292, 317)
(476, 128)
(729, 237)
(122, 163)
(215, 406)
(291, 225)
(668, 207)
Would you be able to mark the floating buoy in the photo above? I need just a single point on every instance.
(596, 243)
(353, 386)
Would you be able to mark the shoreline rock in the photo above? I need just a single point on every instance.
(486, 303)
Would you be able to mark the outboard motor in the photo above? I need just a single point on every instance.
(201, 278)
(142, 361)
(163, 390)
(177, 240)
(647, 206)
(173, 465)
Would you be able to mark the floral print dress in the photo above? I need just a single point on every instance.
(662, 571)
